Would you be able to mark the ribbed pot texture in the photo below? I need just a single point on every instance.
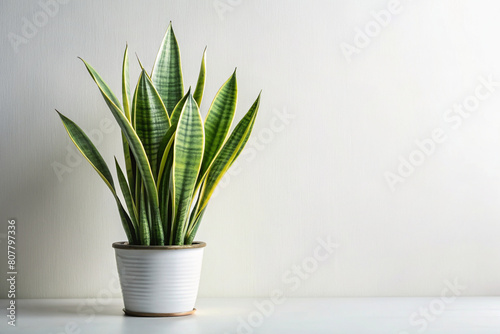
(159, 279)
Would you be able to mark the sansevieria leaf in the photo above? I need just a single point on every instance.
(137, 150)
(150, 118)
(167, 72)
(218, 121)
(129, 164)
(174, 116)
(193, 228)
(188, 154)
(126, 85)
(90, 153)
(228, 153)
(200, 85)
(132, 210)
(164, 189)
(225, 158)
(163, 151)
(144, 235)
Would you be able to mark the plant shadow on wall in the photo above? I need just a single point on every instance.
(174, 160)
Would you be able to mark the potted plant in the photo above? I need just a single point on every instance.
(174, 161)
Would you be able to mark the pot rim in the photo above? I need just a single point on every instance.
(125, 245)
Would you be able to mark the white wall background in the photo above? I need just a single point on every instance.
(319, 175)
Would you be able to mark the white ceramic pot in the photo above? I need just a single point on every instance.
(159, 280)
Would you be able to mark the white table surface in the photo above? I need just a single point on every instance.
(298, 315)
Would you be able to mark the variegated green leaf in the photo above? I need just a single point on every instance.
(151, 119)
(218, 121)
(200, 85)
(188, 154)
(129, 164)
(132, 210)
(247, 135)
(164, 189)
(174, 117)
(126, 109)
(103, 87)
(164, 149)
(127, 224)
(167, 72)
(229, 151)
(144, 235)
(126, 85)
(194, 228)
(92, 155)
(137, 150)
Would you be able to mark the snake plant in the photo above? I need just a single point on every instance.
(174, 159)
